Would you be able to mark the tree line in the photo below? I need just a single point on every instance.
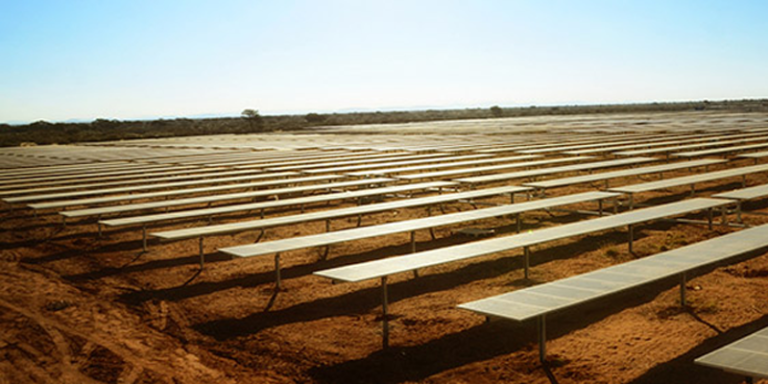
(250, 121)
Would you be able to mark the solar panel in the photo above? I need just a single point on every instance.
(335, 213)
(621, 173)
(541, 300)
(720, 151)
(378, 268)
(455, 164)
(745, 193)
(688, 180)
(272, 204)
(548, 171)
(216, 188)
(408, 225)
(393, 164)
(147, 187)
(718, 143)
(747, 356)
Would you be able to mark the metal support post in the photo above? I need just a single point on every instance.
(709, 218)
(527, 260)
(682, 290)
(413, 241)
(384, 314)
(359, 220)
(278, 280)
(631, 201)
(542, 338)
(738, 211)
(630, 234)
(519, 223)
(693, 189)
(600, 207)
(326, 252)
(202, 253)
(144, 237)
(743, 181)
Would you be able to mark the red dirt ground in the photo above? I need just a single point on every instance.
(78, 309)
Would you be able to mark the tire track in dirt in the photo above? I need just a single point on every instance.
(133, 358)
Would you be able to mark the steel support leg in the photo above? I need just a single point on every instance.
(202, 253)
(526, 260)
(631, 201)
(600, 207)
(384, 314)
(261, 235)
(630, 235)
(519, 223)
(542, 338)
(278, 279)
(413, 241)
(682, 290)
(144, 237)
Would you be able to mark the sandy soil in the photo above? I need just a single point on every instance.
(79, 309)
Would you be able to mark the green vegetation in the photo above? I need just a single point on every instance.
(42, 132)
(255, 122)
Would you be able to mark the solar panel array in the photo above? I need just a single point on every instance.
(160, 185)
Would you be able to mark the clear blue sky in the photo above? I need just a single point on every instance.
(125, 59)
